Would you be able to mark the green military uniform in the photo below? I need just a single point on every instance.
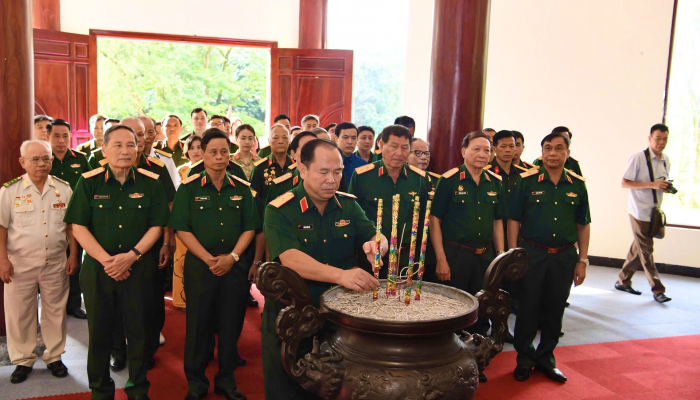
(232, 169)
(87, 147)
(292, 221)
(432, 178)
(372, 156)
(265, 171)
(118, 216)
(179, 157)
(372, 182)
(571, 164)
(548, 214)
(217, 218)
(95, 158)
(70, 169)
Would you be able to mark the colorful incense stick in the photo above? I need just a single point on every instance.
(412, 250)
(393, 259)
(378, 255)
(424, 241)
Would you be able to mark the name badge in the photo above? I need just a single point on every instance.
(101, 197)
(237, 198)
(136, 195)
(305, 227)
(201, 198)
(59, 205)
(538, 193)
(461, 193)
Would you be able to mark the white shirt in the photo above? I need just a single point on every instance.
(170, 165)
(641, 201)
(36, 233)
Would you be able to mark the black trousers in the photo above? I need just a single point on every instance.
(75, 298)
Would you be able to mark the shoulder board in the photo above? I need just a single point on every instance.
(573, 159)
(97, 150)
(417, 170)
(451, 172)
(103, 162)
(539, 158)
(191, 178)
(519, 167)
(488, 166)
(434, 175)
(10, 183)
(282, 199)
(352, 196)
(495, 175)
(529, 165)
(291, 167)
(361, 170)
(164, 153)
(156, 161)
(575, 175)
(197, 163)
(94, 172)
(60, 180)
(80, 152)
(377, 152)
(243, 181)
(260, 161)
(530, 172)
(282, 178)
(148, 173)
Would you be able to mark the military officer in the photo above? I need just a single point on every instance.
(165, 157)
(172, 124)
(313, 230)
(550, 221)
(215, 216)
(385, 178)
(291, 179)
(571, 164)
(96, 155)
(117, 212)
(365, 141)
(97, 132)
(68, 165)
(273, 166)
(281, 119)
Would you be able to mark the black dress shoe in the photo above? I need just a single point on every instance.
(509, 338)
(78, 313)
(522, 373)
(561, 334)
(195, 396)
(58, 369)
(661, 298)
(233, 394)
(118, 363)
(139, 397)
(20, 374)
(552, 373)
(627, 289)
(241, 362)
(252, 303)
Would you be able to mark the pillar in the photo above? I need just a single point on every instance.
(46, 14)
(458, 77)
(312, 24)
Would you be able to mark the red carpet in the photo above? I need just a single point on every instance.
(664, 368)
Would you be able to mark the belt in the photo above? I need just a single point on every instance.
(550, 250)
(480, 250)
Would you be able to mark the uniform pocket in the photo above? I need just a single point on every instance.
(24, 215)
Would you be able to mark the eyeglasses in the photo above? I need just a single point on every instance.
(419, 153)
(35, 160)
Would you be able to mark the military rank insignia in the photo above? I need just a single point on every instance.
(342, 223)
(491, 193)
(572, 194)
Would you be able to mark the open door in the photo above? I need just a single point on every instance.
(311, 81)
(65, 79)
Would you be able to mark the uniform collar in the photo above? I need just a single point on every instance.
(28, 183)
(271, 160)
(70, 154)
(143, 160)
(206, 180)
(543, 175)
(497, 168)
(381, 170)
(305, 203)
(109, 175)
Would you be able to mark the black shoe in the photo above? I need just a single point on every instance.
(58, 369)
(627, 289)
(252, 303)
(661, 298)
(78, 313)
(561, 334)
(195, 396)
(522, 373)
(152, 364)
(20, 374)
(482, 377)
(509, 338)
(241, 362)
(552, 373)
(567, 304)
(233, 394)
(118, 363)
(139, 397)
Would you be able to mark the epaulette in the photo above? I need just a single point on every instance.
(243, 181)
(573, 159)
(164, 153)
(531, 165)
(10, 183)
(260, 161)
(148, 173)
(519, 167)
(97, 150)
(378, 152)
(282, 199)
(60, 180)
(282, 178)
(495, 175)
(291, 167)
(434, 175)
(352, 196)
(94, 172)
(103, 162)
(80, 152)
(361, 170)
(191, 178)
(575, 175)
(196, 164)
(539, 158)
(451, 172)
(530, 172)
(488, 166)
(156, 161)
(417, 170)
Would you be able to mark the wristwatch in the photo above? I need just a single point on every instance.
(235, 257)
(584, 260)
(138, 254)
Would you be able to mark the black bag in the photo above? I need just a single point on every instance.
(657, 226)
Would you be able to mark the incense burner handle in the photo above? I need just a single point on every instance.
(320, 371)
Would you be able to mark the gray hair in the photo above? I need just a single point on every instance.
(318, 130)
(108, 133)
(26, 143)
(272, 128)
(124, 120)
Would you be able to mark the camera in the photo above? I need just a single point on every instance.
(671, 189)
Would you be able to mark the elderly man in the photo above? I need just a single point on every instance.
(97, 131)
(149, 125)
(33, 255)
(310, 122)
(172, 144)
(281, 119)
(420, 158)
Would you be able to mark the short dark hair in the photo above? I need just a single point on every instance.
(42, 117)
(395, 130)
(555, 135)
(280, 117)
(658, 127)
(188, 143)
(244, 127)
(343, 125)
(472, 136)
(295, 142)
(58, 122)
(406, 121)
(226, 119)
(167, 117)
(328, 128)
(363, 128)
(563, 129)
(108, 133)
(502, 135)
(217, 117)
(214, 133)
(112, 120)
(310, 116)
(488, 129)
(294, 128)
(197, 110)
(517, 135)
(158, 123)
(308, 152)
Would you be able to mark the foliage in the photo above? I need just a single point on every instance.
(378, 89)
(157, 78)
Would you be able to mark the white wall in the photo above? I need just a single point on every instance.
(273, 20)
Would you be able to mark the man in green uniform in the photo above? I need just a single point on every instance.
(68, 165)
(550, 212)
(173, 145)
(571, 164)
(291, 179)
(365, 142)
(96, 156)
(281, 119)
(385, 178)
(315, 231)
(97, 132)
(215, 216)
(117, 212)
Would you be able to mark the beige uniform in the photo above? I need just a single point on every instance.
(36, 246)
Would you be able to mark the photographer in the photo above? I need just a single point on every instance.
(647, 178)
